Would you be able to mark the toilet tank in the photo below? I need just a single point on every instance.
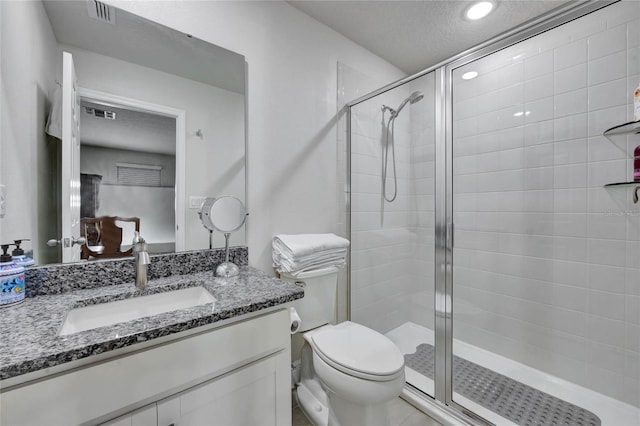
(318, 307)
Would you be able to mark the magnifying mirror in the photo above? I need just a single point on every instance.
(225, 214)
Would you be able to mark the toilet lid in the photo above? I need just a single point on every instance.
(358, 349)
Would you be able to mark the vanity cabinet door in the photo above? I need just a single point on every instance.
(147, 416)
(246, 396)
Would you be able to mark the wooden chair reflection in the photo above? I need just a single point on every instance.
(104, 237)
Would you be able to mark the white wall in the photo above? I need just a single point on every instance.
(29, 53)
(155, 206)
(292, 82)
(97, 160)
(547, 261)
(215, 162)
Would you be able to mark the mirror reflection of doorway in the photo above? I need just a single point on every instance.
(127, 170)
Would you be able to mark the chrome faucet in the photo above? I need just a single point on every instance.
(141, 258)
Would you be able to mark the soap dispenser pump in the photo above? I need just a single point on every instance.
(19, 257)
(11, 279)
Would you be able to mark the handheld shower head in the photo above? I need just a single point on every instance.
(416, 97)
(412, 98)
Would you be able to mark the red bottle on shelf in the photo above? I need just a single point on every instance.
(636, 164)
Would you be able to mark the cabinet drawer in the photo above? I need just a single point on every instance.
(144, 417)
(246, 397)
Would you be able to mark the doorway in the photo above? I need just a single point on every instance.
(131, 166)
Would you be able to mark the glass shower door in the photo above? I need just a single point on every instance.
(544, 279)
(392, 221)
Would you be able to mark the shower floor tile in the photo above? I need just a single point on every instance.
(521, 404)
(610, 411)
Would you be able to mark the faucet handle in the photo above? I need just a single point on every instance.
(139, 244)
(140, 249)
(137, 238)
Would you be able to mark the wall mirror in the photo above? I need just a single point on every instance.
(161, 127)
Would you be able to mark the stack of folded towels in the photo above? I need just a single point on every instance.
(295, 254)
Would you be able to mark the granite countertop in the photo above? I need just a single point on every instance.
(30, 340)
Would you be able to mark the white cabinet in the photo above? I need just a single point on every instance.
(146, 416)
(238, 373)
(246, 397)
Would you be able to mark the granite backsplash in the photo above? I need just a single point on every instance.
(61, 278)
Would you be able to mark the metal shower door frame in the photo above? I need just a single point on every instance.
(445, 220)
(443, 197)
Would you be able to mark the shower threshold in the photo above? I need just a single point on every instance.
(483, 367)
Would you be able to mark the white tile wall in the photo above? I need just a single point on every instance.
(392, 243)
(547, 261)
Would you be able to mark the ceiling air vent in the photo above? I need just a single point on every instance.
(100, 113)
(101, 11)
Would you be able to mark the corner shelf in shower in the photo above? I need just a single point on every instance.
(632, 127)
(618, 135)
(622, 185)
(633, 186)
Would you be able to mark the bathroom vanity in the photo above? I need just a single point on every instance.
(220, 362)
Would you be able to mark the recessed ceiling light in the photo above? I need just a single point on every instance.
(479, 10)
(469, 75)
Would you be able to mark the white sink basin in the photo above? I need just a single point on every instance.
(103, 314)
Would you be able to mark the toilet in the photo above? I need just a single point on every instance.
(348, 372)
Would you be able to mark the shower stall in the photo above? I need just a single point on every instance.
(495, 236)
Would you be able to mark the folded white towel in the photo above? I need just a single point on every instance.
(308, 268)
(288, 265)
(311, 274)
(301, 245)
(279, 256)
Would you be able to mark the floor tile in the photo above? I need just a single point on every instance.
(401, 413)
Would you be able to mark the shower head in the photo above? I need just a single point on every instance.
(412, 98)
(416, 97)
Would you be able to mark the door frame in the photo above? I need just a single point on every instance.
(70, 161)
(180, 137)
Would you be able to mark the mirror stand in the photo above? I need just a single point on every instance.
(227, 269)
(225, 214)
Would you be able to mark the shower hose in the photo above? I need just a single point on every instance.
(389, 141)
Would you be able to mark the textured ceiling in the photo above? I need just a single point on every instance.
(134, 39)
(130, 131)
(414, 35)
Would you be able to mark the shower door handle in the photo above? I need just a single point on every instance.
(450, 235)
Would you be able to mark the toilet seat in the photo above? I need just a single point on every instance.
(358, 351)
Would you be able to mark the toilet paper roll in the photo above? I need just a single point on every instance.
(294, 320)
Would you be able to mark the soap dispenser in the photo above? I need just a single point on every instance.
(11, 279)
(19, 257)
